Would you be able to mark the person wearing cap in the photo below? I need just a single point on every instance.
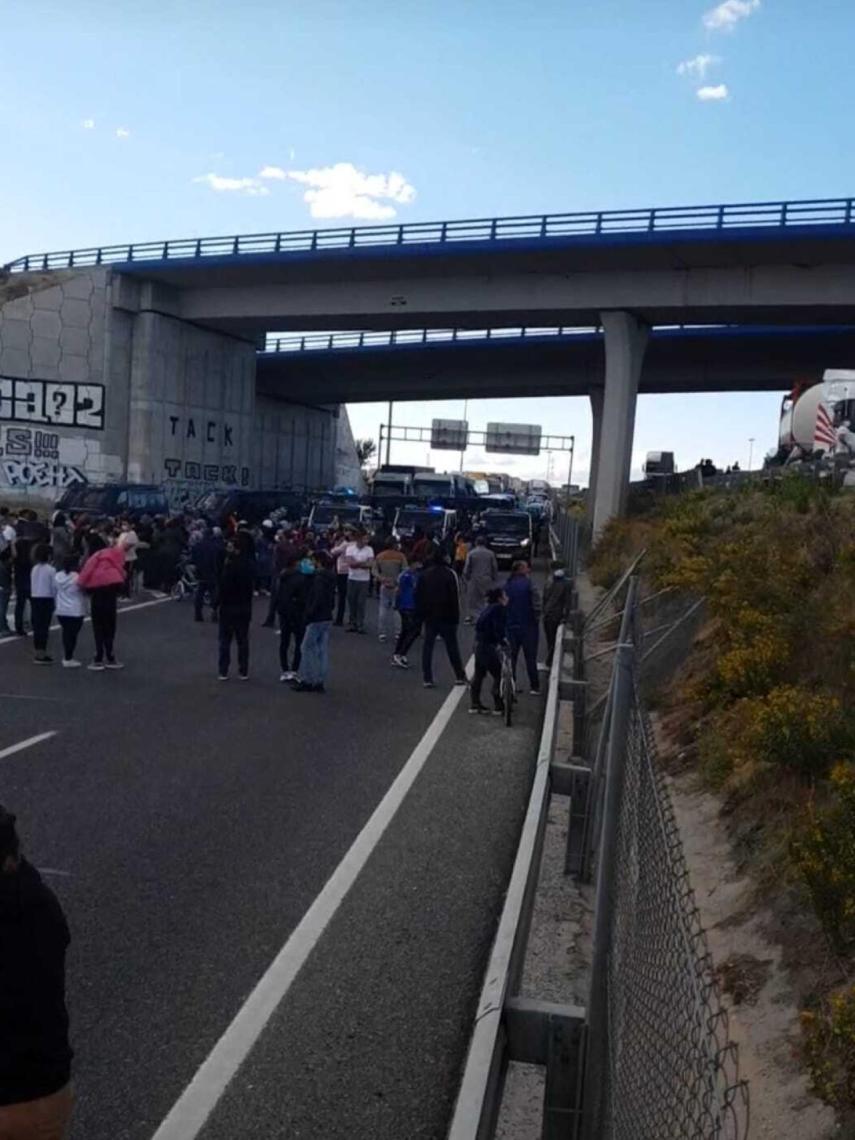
(557, 602)
(35, 1054)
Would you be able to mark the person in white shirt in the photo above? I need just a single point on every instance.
(360, 559)
(42, 594)
(70, 610)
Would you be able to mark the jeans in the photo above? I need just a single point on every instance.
(448, 632)
(22, 596)
(550, 628)
(357, 595)
(104, 620)
(71, 627)
(487, 660)
(205, 587)
(290, 627)
(341, 597)
(315, 664)
(41, 611)
(411, 627)
(386, 619)
(4, 606)
(234, 624)
(525, 639)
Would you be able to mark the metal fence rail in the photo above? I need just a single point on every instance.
(659, 1062)
(811, 213)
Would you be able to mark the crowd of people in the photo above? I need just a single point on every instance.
(312, 581)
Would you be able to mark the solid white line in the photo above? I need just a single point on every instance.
(14, 640)
(197, 1102)
(28, 743)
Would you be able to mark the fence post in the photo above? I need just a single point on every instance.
(596, 1068)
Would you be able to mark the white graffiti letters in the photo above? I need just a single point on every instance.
(49, 402)
(24, 473)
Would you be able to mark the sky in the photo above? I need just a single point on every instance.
(135, 120)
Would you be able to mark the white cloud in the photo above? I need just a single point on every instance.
(713, 94)
(222, 184)
(343, 191)
(274, 172)
(88, 124)
(697, 67)
(122, 133)
(725, 16)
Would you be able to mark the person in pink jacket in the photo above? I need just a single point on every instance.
(103, 576)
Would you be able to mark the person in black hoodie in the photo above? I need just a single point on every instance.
(35, 1055)
(235, 587)
(490, 633)
(438, 607)
(292, 591)
(315, 662)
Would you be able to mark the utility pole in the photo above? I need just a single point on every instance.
(465, 410)
(750, 451)
(388, 436)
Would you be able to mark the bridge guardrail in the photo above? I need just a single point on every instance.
(811, 213)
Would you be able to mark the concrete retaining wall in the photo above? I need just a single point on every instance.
(99, 384)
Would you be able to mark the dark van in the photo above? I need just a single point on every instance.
(253, 506)
(114, 499)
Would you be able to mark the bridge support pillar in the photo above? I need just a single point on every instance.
(625, 341)
(596, 398)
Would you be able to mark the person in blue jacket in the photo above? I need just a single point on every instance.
(490, 633)
(405, 604)
(523, 617)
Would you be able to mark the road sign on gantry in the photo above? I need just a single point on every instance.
(449, 435)
(518, 439)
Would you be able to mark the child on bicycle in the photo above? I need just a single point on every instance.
(490, 635)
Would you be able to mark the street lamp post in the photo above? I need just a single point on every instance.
(750, 451)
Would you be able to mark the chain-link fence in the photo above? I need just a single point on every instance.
(660, 1065)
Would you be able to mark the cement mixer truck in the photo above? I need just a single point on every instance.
(818, 420)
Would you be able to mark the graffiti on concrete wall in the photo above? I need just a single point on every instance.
(33, 458)
(52, 402)
(191, 471)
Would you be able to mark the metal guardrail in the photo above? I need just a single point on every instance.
(814, 213)
(350, 340)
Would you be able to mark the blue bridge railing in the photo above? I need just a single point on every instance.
(758, 215)
(326, 342)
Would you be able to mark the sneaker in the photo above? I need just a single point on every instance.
(478, 709)
(542, 667)
(460, 681)
(499, 710)
(70, 664)
(405, 661)
(96, 666)
(223, 677)
(114, 665)
(382, 637)
(45, 660)
(288, 675)
(467, 621)
(401, 662)
(243, 676)
(429, 684)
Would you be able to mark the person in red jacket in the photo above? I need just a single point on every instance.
(103, 576)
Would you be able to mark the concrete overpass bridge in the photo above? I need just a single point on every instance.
(771, 263)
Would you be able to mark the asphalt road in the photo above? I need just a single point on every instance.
(187, 825)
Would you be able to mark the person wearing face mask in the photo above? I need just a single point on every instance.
(557, 603)
(318, 614)
(294, 582)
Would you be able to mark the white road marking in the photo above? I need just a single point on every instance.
(190, 1112)
(14, 639)
(53, 871)
(28, 743)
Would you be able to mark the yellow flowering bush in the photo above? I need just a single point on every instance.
(828, 1036)
(823, 852)
(792, 727)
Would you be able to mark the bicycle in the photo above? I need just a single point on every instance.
(507, 684)
(186, 585)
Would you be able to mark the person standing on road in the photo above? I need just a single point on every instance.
(339, 552)
(438, 607)
(315, 661)
(480, 574)
(523, 618)
(557, 600)
(360, 560)
(292, 592)
(235, 588)
(128, 540)
(42, 595)
(22, 563)
(60, 540)
(405, 603)
(388, 566)
(35, 1054)
(70, 610)
(206, 557)
(103, 576)
(5, 588)
(490, 633)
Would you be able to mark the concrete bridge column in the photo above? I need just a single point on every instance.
(625, 340)
(596, 397)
